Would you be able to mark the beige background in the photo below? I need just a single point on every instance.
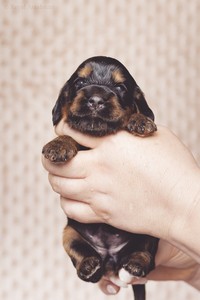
(42, 42)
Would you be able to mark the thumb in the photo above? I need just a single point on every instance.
(83, 139)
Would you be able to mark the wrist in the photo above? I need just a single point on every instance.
(185, 226)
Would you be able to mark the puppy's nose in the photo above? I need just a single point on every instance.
(96, 102)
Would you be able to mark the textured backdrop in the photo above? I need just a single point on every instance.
(42, 42)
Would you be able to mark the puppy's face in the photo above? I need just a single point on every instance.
(99, 97)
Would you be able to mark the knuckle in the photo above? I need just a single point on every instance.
(54, 182)
(68, 208)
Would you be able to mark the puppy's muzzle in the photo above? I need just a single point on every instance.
(96, 102)
(97, 96)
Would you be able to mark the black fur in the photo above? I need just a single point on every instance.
(101, 98)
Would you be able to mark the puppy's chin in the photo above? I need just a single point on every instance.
(93, 126)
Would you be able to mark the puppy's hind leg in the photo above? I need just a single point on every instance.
(86, 260)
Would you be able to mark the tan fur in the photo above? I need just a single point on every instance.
(69, 235)
(85, 71)
(118, 77)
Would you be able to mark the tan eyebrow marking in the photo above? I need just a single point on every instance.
(85, 71)
(117, 76)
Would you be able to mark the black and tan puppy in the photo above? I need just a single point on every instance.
(101, 98)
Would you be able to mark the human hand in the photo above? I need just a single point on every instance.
(155, 177)
(171, 264)
(127, 176)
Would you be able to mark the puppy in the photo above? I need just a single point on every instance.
(101, 98)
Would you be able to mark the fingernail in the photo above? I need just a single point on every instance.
(111, 290)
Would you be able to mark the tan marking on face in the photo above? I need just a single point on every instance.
(75, 106)
(64, 113)
(117, 76)
(85, 71)
(138, 94)
(117, 111)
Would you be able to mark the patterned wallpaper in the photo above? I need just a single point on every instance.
(42, 42)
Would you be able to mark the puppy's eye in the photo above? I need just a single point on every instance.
(121, 88)
(79, 83)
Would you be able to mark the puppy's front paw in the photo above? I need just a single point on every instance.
(90, 269)
(61, 149)
(141, 125)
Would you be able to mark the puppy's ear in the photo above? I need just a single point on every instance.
(141, 103)
(61, 101)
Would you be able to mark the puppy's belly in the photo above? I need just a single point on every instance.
(105, 239)
(107, 246)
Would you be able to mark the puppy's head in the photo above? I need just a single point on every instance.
(100, 97)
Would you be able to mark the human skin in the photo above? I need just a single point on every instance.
(123, 175)
(171, 264)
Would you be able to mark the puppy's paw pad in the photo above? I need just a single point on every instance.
(90, 269)
(57, 154)
(59, 150)
(135, 269)
(141, 125)
(138, 264)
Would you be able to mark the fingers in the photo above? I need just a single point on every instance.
(170, 256)
(162, 273)
(69, 188)
(75, 168)
(112, 284)
(164, 253)
(88, 141)
(85, 213)
(108, 287)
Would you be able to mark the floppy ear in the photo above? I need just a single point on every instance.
(61, 101)
(141, 103)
